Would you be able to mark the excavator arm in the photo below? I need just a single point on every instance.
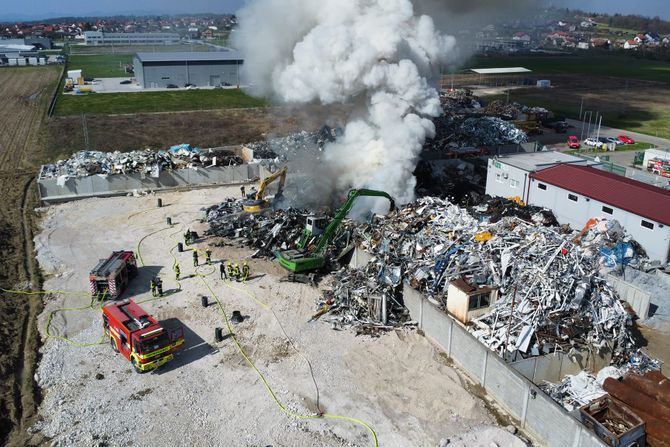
(299, 261)
(259, 203)
(281, 174)
(330, 230)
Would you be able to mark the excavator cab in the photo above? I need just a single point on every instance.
(316, 224)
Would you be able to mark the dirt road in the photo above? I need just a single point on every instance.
(210, 394)
(25, 93)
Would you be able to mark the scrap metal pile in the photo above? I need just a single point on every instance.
(297, 145)
(514, 110)
(266, 232)
(366, 299)
(85, 163)
(473, 131)
(550, 296)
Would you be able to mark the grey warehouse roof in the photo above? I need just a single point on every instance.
(537, 161)
(190, 56)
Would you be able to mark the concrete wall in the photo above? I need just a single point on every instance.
(535, 412)
(116, 184)
(655, 241)
(637, 298)
(554, 367)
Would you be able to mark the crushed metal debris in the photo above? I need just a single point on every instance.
(149, 162)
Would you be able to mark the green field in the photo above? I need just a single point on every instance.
(146, 102)
(100, 66)
(590, 64)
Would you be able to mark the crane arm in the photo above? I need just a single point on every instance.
(260, 195)
(344, 211)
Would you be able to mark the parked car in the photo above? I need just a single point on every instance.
(626, 139)
(573, 142)
(171, 86)
(189, 85)
(614, 141)
(126, 82)
(592, 142)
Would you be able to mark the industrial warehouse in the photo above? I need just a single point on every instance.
(200, 69)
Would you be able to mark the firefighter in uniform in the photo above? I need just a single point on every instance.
(245, 271)
(208, 256)
(195, 258)
(236, 272)
(229, 270)
(152, 287)
(187, 237)
(222, 270)
(159, 286)
(244, 196)
(177, 271)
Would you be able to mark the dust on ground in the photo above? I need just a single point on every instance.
(209, 394)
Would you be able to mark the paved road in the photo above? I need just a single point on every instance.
(623, 158)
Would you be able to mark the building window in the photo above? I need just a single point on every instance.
(514, 183)
(165, 77)
(499, 178)
(573, 197)
(478, 301)
(608, 210)
(646, 224)
(542, 186)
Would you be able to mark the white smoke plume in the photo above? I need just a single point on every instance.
(378, 54)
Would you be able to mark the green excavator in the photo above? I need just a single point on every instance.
(312, 257)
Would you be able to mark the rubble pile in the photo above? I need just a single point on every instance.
(514, 110)
(550, 297)
(294, 146)
(266, 232)
(459, 100)
(85, 163)
(575, 391)
(367, 299)
(473, 131)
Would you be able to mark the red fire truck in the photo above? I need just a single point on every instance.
(139, 337)
(110, 276)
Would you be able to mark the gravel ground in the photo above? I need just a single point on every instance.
(209, 395)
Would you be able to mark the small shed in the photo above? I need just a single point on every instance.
(466, 301)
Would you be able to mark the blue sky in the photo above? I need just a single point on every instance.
(36, 9)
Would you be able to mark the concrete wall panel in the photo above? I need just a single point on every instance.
(93, 185)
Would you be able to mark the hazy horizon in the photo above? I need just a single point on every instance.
(29, 10)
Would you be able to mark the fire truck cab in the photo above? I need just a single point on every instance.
(132, 332)
(110, 276)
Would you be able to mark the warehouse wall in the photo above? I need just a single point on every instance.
(655, 241)
(199, 74)
(118, 184)
(535, 412)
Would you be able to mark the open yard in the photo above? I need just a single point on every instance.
(146, 102)
(100, 66)
(204, 129)
(632, 104)
(25, 94)
(587, 63)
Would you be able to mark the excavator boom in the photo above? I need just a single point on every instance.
(259, 203)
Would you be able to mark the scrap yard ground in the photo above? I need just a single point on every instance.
(210, 395)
